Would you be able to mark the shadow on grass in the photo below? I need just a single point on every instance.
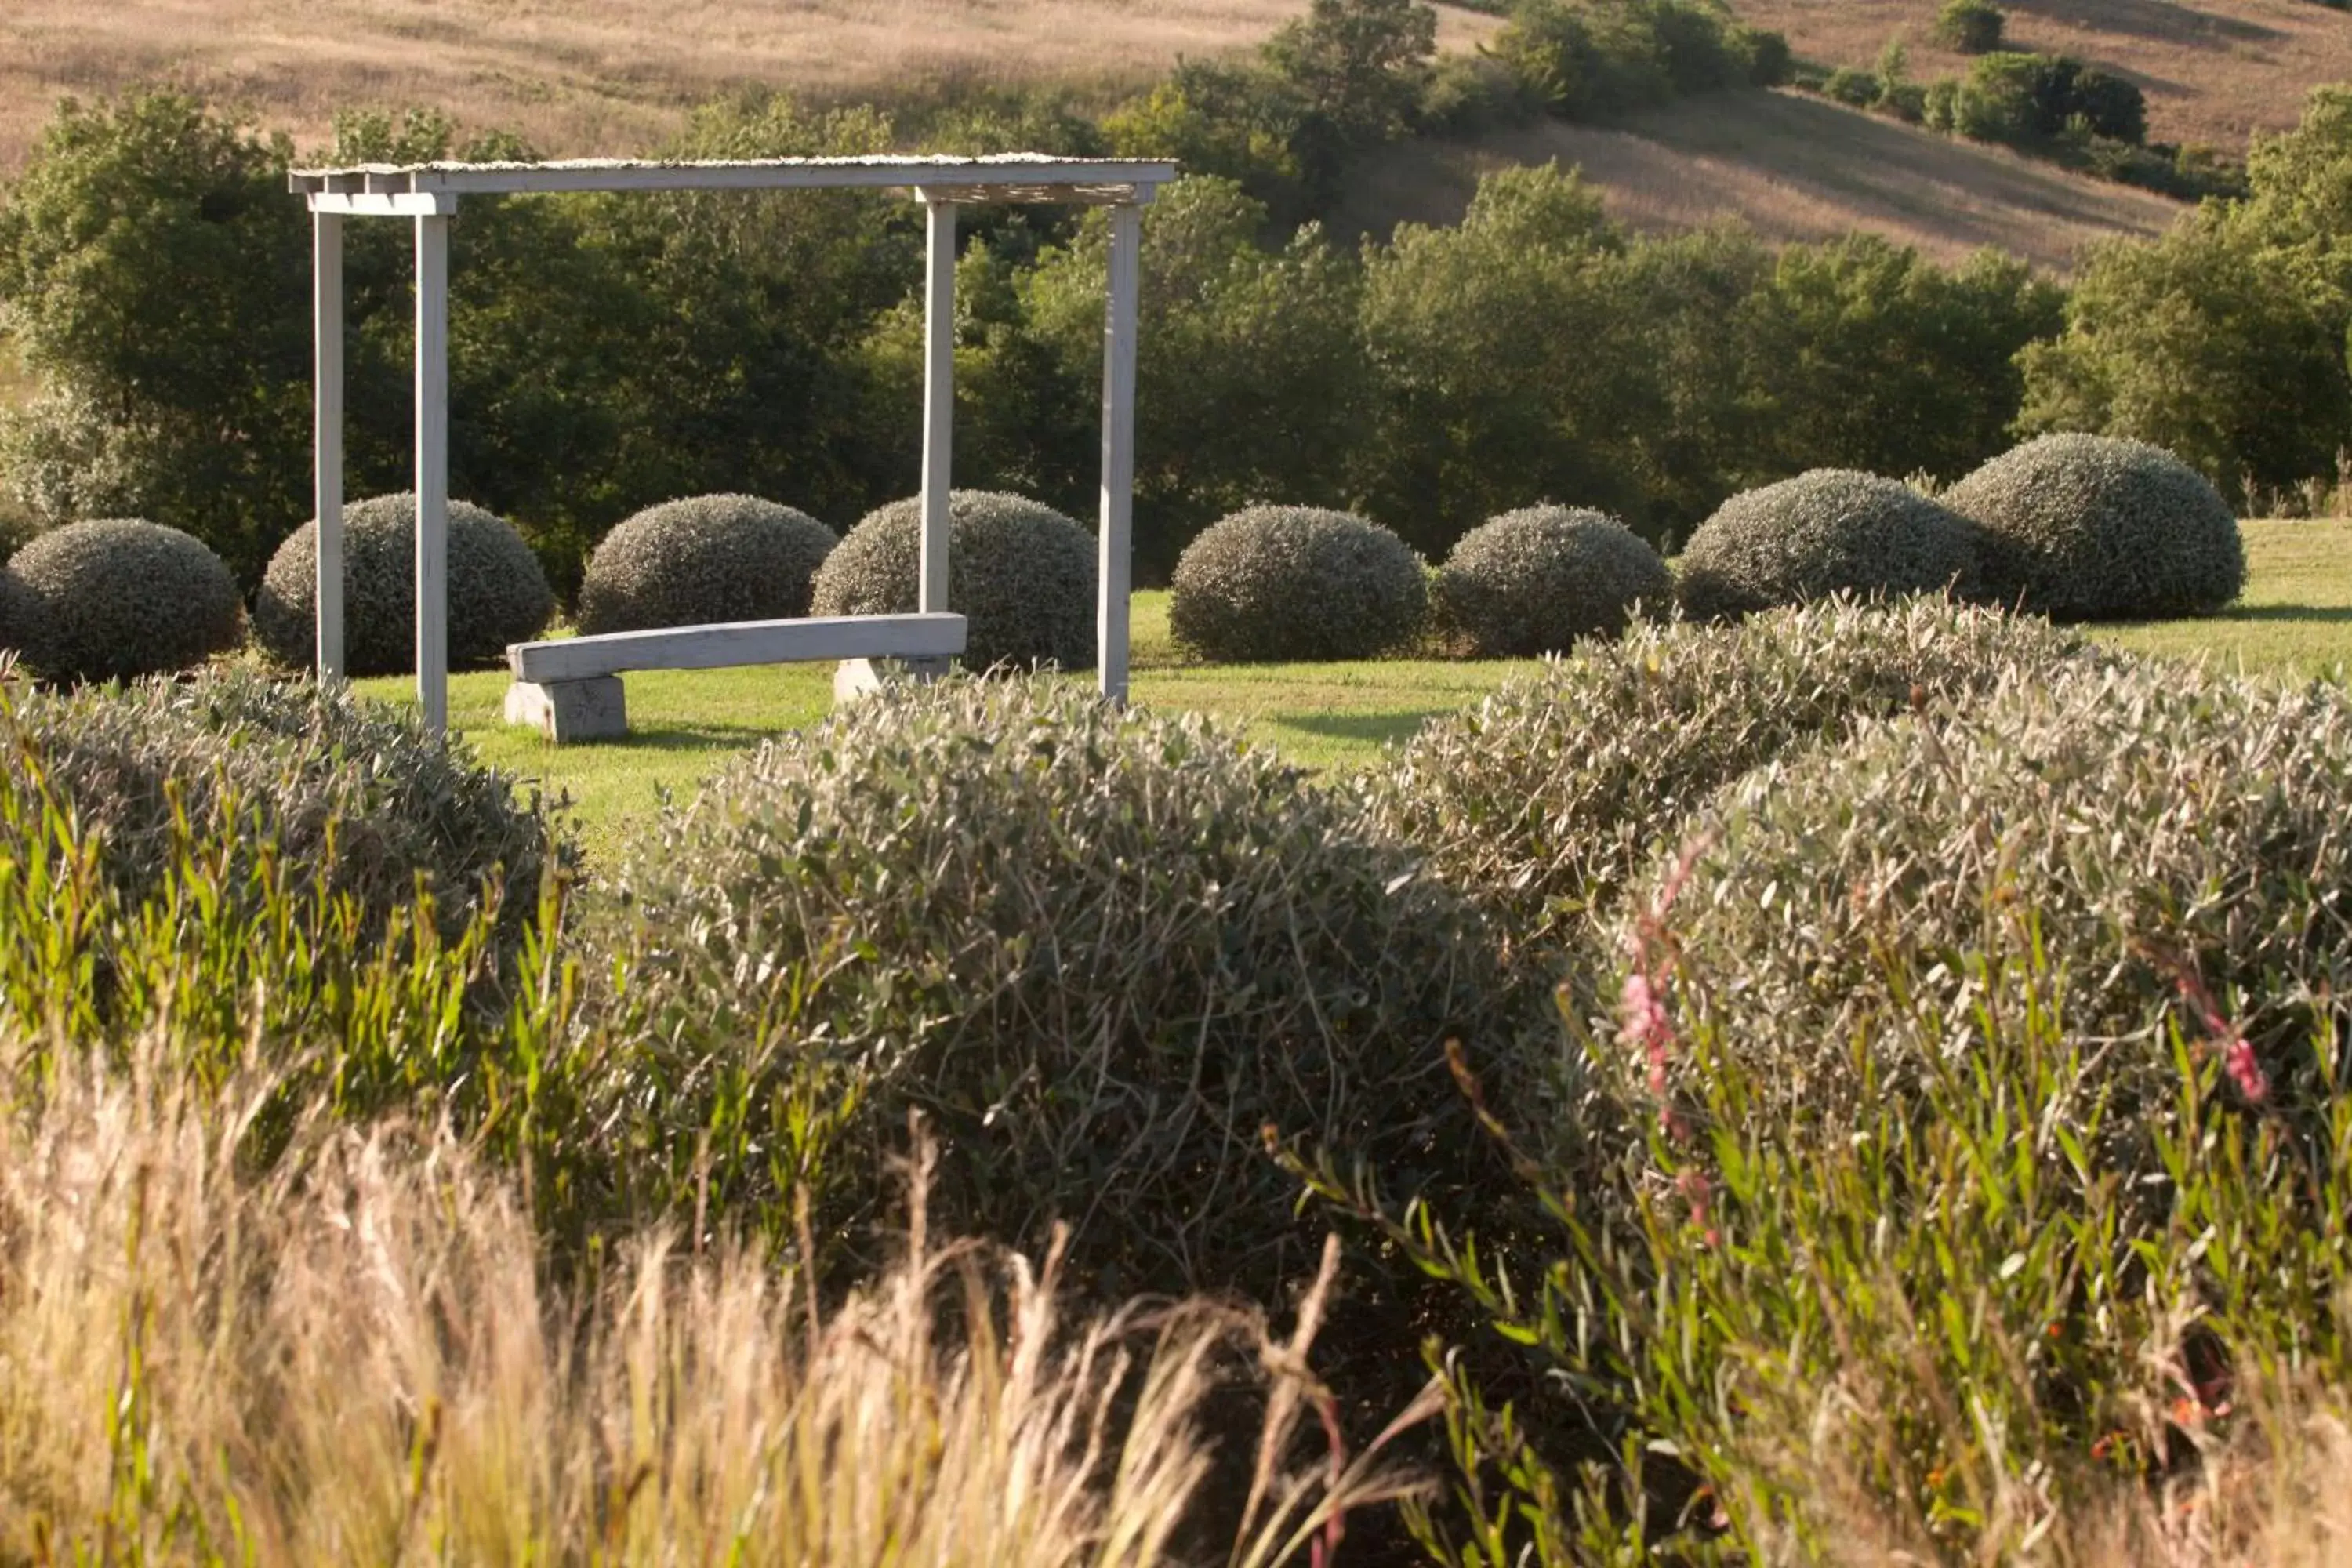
(2328, 615)
(1373, 727)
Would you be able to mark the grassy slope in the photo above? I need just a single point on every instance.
(2215, 71)
(2297, 617)
(595, 76)
(1790, 166)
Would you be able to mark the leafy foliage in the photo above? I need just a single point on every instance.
(117, 598)
(1535, 581)
(1970, 26)
(1824, 532)
(1021, 573)
(1275, 583)
(2211, 342)
(2152, 834)
(355, 800)
(496, 592)
(155, 273)
(703, 561)
(1543, 801)
(1101, 949)
(1252, 378)
(1592, 60)
(2093, 528)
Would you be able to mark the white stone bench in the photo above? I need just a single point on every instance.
(570, 689)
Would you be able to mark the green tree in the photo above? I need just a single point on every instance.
(1863, 354)
(2208, 342)
(1509, 362)
(1252, 382)
(1357, 64)
(154, 274)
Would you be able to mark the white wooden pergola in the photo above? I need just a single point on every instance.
(428, 193)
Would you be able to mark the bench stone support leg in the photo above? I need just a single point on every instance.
(566, 710)
(855, 678)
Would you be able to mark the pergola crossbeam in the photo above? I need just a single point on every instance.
(427, 195)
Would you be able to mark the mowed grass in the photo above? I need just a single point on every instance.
(2296, 618)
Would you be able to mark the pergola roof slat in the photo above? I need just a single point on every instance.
(996, 177)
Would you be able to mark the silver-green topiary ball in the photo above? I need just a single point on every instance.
(701, 561)
(1832, 531)
(118, 598)
(18, 609)
(1534, 580)
(2088, 528)
(497, 595)
(1021, 573)
(1273, 583)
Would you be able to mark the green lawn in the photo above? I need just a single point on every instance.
(2296, 615)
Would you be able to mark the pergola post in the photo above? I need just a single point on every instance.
(327, 414)
(1114, 566)
(939, 398)
(433, 468)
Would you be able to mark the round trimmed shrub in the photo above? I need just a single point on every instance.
(1832, 531)
(2100, 836)
(2088, 528)
(18, 610)
(1275, 583)
(1021, 573)
(116, 599)
(1543, 801)
(1534, 580)
(1101, 949)
(497, 593)
(355, 795)
(704, 561)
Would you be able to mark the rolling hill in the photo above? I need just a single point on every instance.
(1792, 167)
(2215, 71)
(588, 76)
(595, 76)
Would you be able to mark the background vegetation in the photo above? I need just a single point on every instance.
(614, 354)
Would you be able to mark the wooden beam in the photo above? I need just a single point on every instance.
(427, 204)
(945, 175)
(938, 399)
(803, 640)
(432, 470)
(327, 434)
(1114, 566)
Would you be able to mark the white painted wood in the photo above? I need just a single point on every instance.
(407, 205)
(1110, 178)
(432, 470)
(327, 412)
(938, 401)
(1115, 564)
(740, 643)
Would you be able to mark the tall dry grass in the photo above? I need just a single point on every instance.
(349, 1356)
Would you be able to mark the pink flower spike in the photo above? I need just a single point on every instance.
(2238, 1060)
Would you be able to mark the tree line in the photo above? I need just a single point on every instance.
(610, 353)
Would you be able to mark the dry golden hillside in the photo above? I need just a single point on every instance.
(1788, 165)
(591, 76)
(2214, 70)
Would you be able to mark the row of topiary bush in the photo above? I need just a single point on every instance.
(1105, 950)
(2074, 527)
(2078, 528)
(116, 599)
